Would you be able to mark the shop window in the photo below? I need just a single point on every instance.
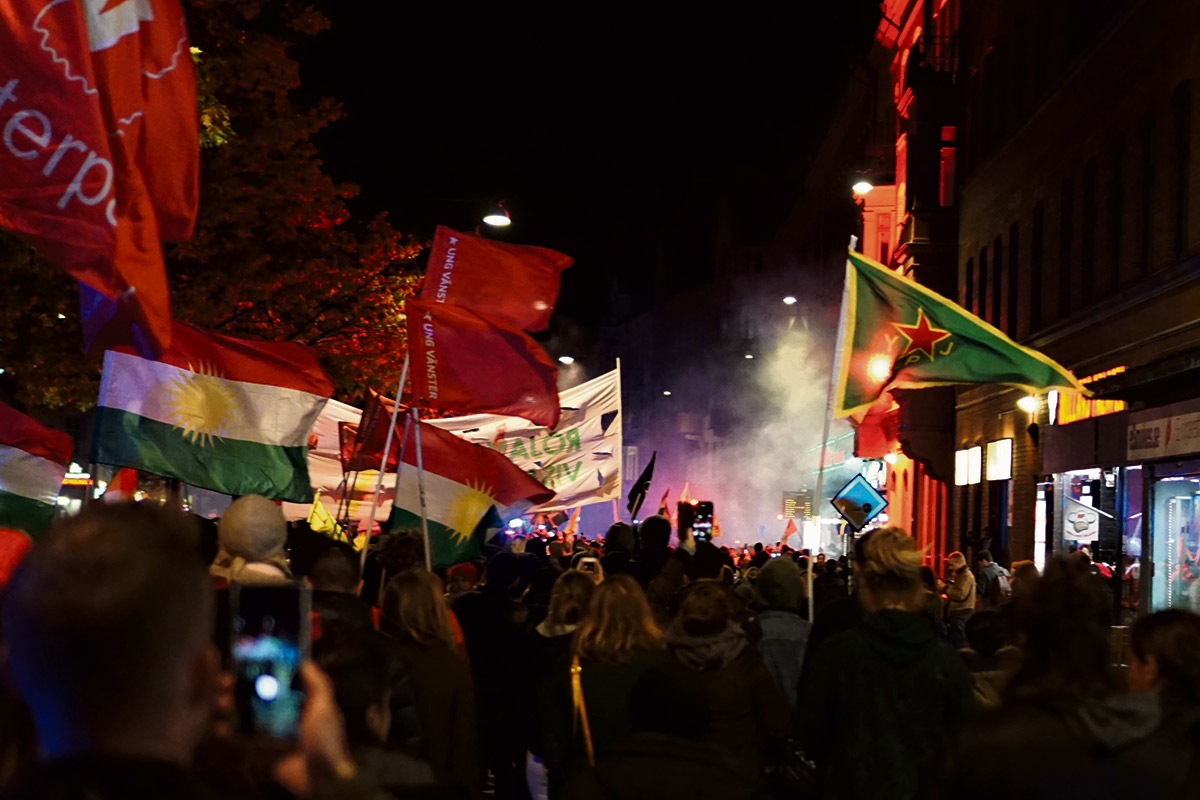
(1175, 540)
(999, 460)
(1088, 511)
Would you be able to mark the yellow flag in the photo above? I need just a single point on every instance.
(321, 521)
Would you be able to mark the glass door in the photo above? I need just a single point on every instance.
(1175, 547)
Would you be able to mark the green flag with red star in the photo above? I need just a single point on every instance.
(897, 334)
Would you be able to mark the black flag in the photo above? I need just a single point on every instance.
(637, 493)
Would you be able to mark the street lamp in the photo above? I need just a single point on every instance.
(862, 188)
(566, 360)
(497, 216)
(789, 300)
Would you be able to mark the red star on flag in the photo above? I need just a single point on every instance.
(922, 337)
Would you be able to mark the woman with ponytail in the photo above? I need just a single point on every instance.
(885, 695)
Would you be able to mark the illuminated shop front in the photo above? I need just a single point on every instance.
(1125, 485)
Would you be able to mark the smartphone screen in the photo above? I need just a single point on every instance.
(702, 527)
(270, 637)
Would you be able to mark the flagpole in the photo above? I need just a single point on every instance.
(421, 487)
(817, 504)
(387, 447)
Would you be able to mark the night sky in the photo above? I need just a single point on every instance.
(613, 135)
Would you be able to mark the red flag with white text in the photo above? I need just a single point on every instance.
(465, 362)
(511, 282)
(100, 160)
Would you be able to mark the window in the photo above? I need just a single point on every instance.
(946, 166)
(1087, 264)
(979, 307)
(1116, 214)
(1036, 266)
(1146, 189)
(1014, 278)
(997, 282)
(1181, 110)
(1066, 239)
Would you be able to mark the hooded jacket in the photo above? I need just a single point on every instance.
(1118, 746)
(748, 714)
(883, 699)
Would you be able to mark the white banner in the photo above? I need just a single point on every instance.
(580, 459)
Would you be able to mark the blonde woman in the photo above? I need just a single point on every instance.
(886, 694)
(616, 643)
(414, 615)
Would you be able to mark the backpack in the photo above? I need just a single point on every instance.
(1001, 589)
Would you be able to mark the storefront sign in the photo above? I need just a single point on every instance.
(1159, 438)
(1082, 522)
(1068, 407)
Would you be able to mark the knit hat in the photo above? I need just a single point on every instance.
(251, 535)
(779, 585)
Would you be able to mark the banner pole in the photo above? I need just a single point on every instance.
(387, 448)
(421, 488)
(833, 378)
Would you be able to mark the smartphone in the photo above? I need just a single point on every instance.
(588, 564)
(702, 527)
(271, 632)
(685, 516)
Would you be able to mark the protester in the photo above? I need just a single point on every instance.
(1025, 576)
(748, 717)
(460, 579)
(960, 594)
(358, 662)
(251, 537)
(414, 614)
(667, 756)
(334, 578)
(1166, 656)
(549, 643)
(884, 696)
(108, 625)
(1064, 726)
(987, 658)
(619, 544)
(760, 557)
(993, 582)
(784, 633)
(617, 642)
(653, 542)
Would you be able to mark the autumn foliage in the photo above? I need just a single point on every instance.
(275, 254)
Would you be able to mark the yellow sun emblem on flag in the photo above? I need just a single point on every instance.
(467, 507)
(201, 404)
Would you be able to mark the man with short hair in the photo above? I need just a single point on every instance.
(992, 581)
(335, 581)
(108, 624)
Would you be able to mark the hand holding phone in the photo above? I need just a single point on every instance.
(269, 639)
(703, 524)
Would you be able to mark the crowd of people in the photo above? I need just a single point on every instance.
(645, 664)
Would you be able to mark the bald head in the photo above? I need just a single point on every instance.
(105, 621)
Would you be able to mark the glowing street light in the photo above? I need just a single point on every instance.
(749, 355)
(1029, 404)
(862, 188)
(666, 393)
(566, 360)
(789, 300)
(498, 216)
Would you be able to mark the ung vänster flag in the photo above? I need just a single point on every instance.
(897, 334)
(466, 361)
(225, 414)
(100, 158)
(463, 481)
(33, 461)
(511, 282)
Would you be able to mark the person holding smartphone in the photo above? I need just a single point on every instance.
(959, 587)
(118, 667)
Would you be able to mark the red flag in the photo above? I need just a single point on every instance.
(514, 283)
(790, 528)
(469, 363)
(100, 159)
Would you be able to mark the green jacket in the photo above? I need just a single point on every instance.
(883, 700)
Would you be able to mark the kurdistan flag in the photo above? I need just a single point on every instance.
(33, 461)
(225, 414)
(463, 481)
(897, 334)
